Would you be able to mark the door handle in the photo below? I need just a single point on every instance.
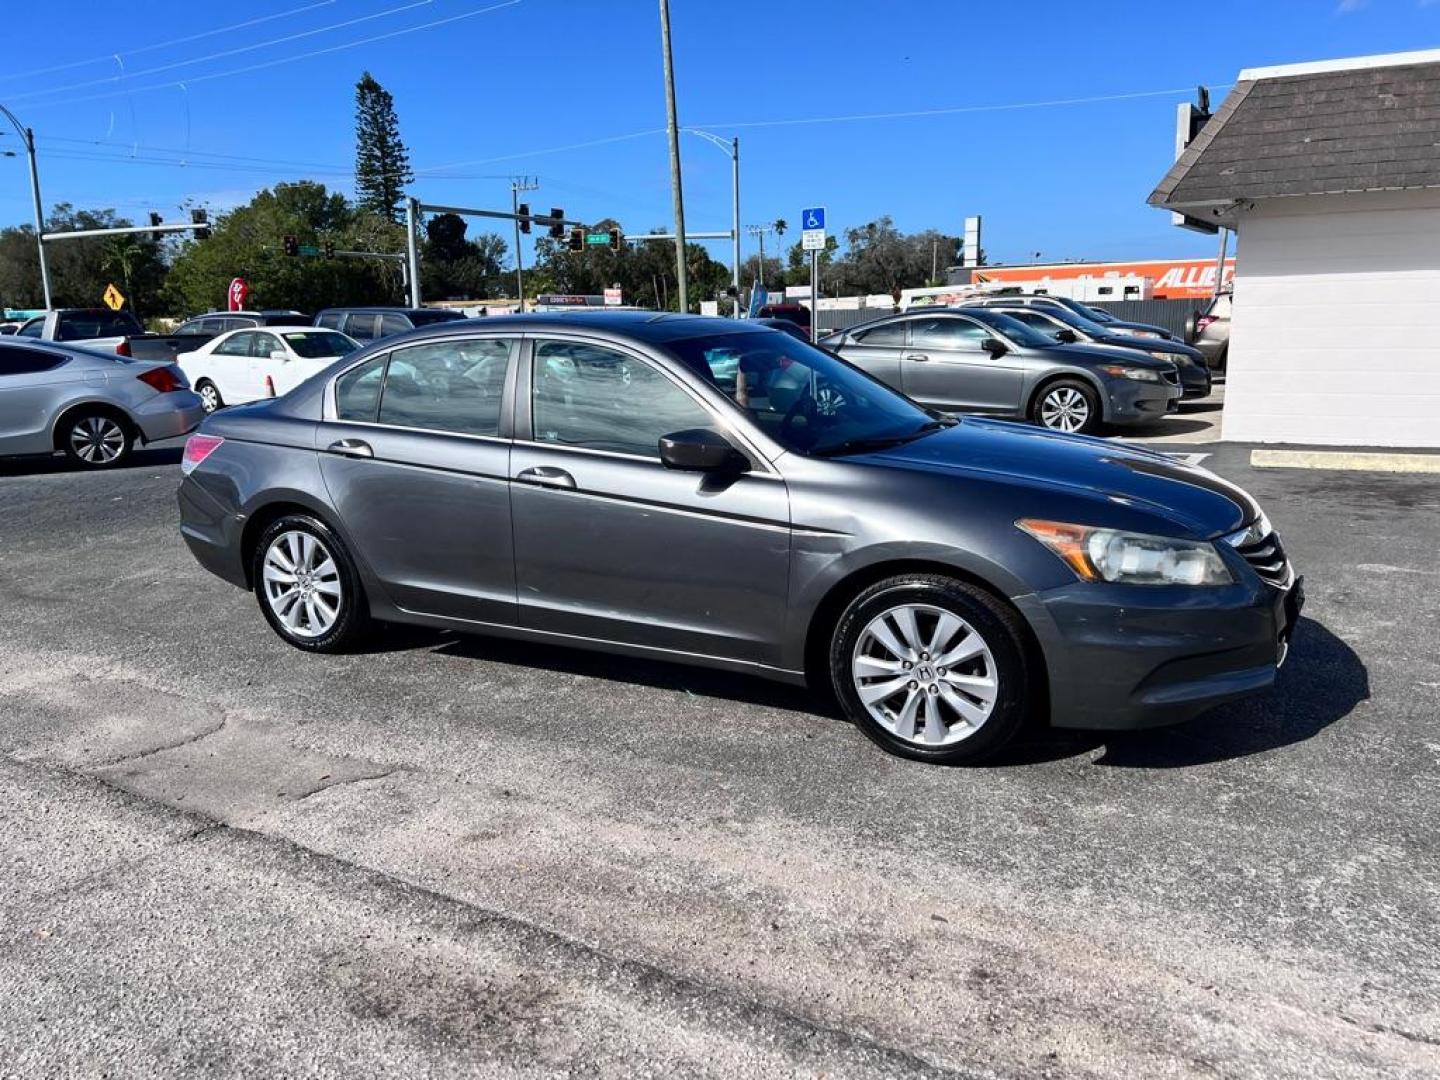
(546, 476)
(916, 356)
(351, 448)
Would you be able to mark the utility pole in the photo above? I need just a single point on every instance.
(674, 132)
(517, 185)
(29, 136)
(412, 247)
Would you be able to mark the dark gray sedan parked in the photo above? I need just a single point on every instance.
(712, 492)
(973, 360)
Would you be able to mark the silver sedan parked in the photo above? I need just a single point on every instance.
(92, 406)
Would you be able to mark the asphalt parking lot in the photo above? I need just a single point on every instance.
(452, 855)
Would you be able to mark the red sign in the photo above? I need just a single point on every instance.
(1171, 279)
(238, 291)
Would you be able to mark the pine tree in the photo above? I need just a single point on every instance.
(382, 164)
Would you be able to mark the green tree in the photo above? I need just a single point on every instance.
(382, 164)
(246, 242)
(80, 269)
(797, 263)
(454, 267)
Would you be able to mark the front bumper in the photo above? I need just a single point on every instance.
(168, 416)
(1128, 657)
(1132, 402)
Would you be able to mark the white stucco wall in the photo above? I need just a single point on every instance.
(1335, 332)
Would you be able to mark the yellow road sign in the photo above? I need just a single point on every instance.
(114, 298)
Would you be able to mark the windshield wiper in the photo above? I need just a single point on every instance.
(861, 446)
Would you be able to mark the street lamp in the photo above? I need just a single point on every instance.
(29, 137)
(732, 147)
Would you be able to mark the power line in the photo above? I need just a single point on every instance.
(280, 62)
(109, 79)
(167, 44)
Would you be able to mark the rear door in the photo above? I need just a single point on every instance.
(362, 326)
(33, 386)
(878, 349)
(612, 545)
(947, 367)
(415, 452)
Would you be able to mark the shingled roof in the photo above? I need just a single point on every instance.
(1316, 129)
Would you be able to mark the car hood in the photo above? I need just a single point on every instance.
(1151, 345)
(1109, 354)
(1126, 327)
(1192, 499)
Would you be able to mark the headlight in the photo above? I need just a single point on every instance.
(1142, 333)
(1128, 558)
(1177, 358)
(1138, 374)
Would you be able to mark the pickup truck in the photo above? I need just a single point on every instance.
(116, 332)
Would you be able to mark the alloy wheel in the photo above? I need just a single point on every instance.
(925, 675)
(209, 397)
(97, 440)
(302, 584)
(1064, 409)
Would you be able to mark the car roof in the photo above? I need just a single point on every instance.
(646, 326)
(381, 309)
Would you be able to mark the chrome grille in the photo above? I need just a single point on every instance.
(1259, 545)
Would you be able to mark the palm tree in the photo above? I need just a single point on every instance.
(780, 226)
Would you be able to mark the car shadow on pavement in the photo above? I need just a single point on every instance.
(1320, 684)
(59, 463)
(1171, 425)
(703, 682)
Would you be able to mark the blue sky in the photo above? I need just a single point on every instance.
(485, 93)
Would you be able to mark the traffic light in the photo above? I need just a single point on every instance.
(557, 223)
(329, 249)
(200, 219)
(291, 244)
(616, 239)
(524, 211)
(577, 239)
(155, 220)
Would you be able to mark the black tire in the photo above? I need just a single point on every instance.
(996, 624)
(1057, 389)
(209, 395)
(96, 438)
(351, 620)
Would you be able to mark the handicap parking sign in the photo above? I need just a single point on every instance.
(812, 218)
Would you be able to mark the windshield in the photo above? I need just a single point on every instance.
(1013, 329)
(802, 397)
(313, 344)
(1079, 322)
(1095, 315)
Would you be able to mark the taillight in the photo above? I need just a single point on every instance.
(162, 379)
(123, 349)
(197, 449)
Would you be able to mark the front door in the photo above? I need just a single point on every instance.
(947, 367)
(612, 545)
(416, 462)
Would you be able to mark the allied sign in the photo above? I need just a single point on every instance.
(113, 297)
(237, 294)
(812, 228)
(1171, 279)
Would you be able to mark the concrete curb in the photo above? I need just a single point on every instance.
(1345, 459)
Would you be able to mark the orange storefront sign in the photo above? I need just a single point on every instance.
(1172, 279)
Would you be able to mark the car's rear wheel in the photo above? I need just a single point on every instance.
(931, 668)
(209, 395)
(96, 440)
(307, 586)
(1068, 405)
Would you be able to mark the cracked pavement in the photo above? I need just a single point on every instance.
(450, 855)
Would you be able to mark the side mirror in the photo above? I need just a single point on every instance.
(1066, 337)
(994, 346)
(701, 450)
(279, 354)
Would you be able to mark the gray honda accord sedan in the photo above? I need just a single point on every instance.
(716, 493)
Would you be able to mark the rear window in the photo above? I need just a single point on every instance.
(82, 325)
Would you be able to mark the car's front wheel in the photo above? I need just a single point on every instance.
(97, 440)
(1068, 405)
(307, 586)
(209, 395)
(931, 668)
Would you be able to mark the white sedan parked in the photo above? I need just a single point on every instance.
(246, 365)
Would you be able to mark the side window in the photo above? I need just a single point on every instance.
(393, 324)
(33, 329)
(265, 344)
(28, 361)
(357, 392)
(212, 327)
(361, 326)
(238, 324)
(1035, 319)
(448, 386)
(235, 345)
(886, 334)
(599, 399)
(331, 320)
(940, 332)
